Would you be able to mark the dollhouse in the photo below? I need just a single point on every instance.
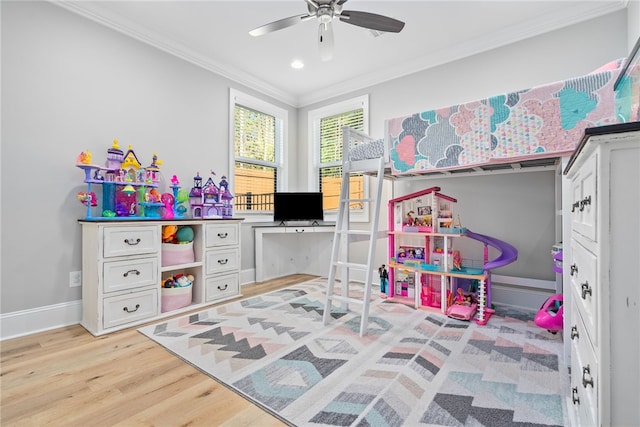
(424, 268)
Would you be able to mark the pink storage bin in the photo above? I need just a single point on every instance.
(176, 254)
(175, 298)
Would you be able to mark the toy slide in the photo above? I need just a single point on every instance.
(508, 254)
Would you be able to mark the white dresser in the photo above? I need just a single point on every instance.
(122, 271)
(601, 276)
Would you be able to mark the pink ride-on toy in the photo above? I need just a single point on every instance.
(550, 315)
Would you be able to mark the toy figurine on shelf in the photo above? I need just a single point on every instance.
(180, 197)
(410, 220)
(457, 261)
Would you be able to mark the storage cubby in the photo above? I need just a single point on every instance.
(125, 264)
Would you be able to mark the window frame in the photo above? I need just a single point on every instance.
(281, 115)
(313, 119)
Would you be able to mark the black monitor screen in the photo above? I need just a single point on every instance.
(297, 207)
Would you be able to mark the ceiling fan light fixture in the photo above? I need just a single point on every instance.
(326, 11)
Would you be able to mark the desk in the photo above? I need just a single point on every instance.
(284, 250)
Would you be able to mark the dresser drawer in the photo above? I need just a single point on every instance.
(585, 288)
(128, 308)
(121, 241)
(129, 274)
(584, 199)
(584, 382)
(222, 260)
(221, 287)
(221, 235)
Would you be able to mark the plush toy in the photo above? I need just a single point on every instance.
(184, 235)
(169, 233)
(178, 281)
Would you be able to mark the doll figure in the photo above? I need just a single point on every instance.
(384, 279)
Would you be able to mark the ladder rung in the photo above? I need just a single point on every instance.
(346, 299)
(364, 267)
(355, 232)
(355, 200)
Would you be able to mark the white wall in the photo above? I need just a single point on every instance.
(68, 85)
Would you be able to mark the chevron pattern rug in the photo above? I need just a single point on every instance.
(413, 367)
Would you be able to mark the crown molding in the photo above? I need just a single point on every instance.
(144, 35)
(565, 17)
(505, 36)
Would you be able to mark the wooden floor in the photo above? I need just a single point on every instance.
(67, 377)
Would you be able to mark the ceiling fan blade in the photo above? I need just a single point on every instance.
(279, 24)
(371, 21)
(325, 41)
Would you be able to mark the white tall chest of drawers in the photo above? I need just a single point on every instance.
(602, 277)
(122, 269)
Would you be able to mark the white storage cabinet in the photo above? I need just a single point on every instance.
(601, 270)
(122, 271)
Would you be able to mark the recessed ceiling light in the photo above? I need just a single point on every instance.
(297, 64)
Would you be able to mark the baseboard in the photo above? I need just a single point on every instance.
(514, 291)
(528, 298)
(247, 276)
(40, 319)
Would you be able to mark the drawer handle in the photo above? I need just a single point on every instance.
(132, 242)
(574, 332)
(584, 202)
(585, 382)
(574, 395)
(574, 269)
(136, 272)
(131, 311)
(223, 261)
(223, 235)
(223, 289)
(586, 289)
(299, 231)
(575, 206)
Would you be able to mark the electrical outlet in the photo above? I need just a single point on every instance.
(75, 279)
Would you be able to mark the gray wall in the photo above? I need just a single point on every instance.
(69, 84)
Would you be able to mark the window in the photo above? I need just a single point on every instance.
(326, 139)
(258, 141)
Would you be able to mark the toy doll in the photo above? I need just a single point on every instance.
(384, 279)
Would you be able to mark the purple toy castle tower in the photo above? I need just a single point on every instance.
(210, 200)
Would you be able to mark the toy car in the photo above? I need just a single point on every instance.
(461, 311)
(550, 315)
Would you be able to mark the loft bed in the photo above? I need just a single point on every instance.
(526, 129)
(511, 131)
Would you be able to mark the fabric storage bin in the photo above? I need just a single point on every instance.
(179, 253)
(175, 298)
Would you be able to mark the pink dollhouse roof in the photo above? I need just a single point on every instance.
(430, 190)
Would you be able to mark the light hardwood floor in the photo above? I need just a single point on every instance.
(67, 377)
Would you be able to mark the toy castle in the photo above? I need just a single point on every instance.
(210, 200)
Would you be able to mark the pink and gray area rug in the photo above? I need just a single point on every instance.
(412, 368)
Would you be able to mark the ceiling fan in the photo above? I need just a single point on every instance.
(325, 11)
